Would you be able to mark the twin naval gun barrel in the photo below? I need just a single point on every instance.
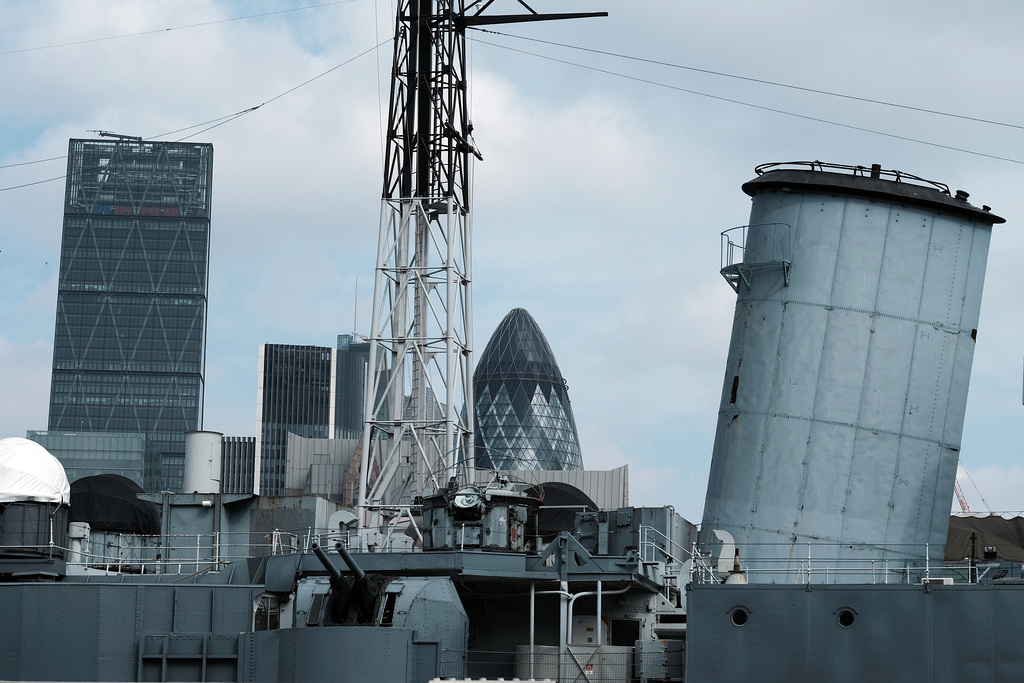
(353, 598)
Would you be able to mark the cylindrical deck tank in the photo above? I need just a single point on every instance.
(203, 453)
(846, 384)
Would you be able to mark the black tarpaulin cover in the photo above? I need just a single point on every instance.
(1003, 530)
(108, 503)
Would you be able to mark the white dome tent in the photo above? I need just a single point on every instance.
(28, 472)
(34, 501)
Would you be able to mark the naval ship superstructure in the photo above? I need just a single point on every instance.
(472, 588)
(822, 553)
(823, 550)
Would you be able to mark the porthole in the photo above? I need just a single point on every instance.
(845, 618)
(739, 616)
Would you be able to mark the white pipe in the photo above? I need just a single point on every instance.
(370, 392)
(565, 605)
(565, 595)
(533, 621)
(585, 593)
(468, 332)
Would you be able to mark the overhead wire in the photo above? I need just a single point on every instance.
(751, 79)
(170, 28)
(217, 122)
(29, 163)
(751, 104)
(220, 121)
(232, 117)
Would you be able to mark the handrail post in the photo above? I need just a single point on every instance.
(808, 563)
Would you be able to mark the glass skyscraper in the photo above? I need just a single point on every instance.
(295, 396)
(351, 362)
(86, 454)
(130, 340)
(311, 391)
(523, 417)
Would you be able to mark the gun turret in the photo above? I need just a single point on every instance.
(358, 592)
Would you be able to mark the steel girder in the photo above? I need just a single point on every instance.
(421, 322)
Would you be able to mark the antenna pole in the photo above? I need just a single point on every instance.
(418, 424)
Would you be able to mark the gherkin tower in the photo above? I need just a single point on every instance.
(523, 417)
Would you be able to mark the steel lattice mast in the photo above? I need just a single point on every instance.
(421, 328)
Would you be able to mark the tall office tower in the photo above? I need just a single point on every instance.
(130, 342)
(350, 381)
(87, 454)
(294, 395)
(523, 417)
(311, 391)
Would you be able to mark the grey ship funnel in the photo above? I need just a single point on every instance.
(840, 421)
(523, 417)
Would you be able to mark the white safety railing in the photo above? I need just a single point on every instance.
(843, 563)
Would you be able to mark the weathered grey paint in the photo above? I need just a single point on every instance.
(117, 628)
(76, 631)
(339, 653)
(845, 388)
(940, 634)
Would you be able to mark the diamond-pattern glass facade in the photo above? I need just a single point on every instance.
(523, 417)
(130, 339)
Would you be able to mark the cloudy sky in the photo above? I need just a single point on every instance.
(613, 160)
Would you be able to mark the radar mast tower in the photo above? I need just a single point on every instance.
(422, 320)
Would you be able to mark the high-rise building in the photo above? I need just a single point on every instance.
(130, 340)
(86, 454)
(294, 395)
(351, 361)
(523, 417)
(311, 391)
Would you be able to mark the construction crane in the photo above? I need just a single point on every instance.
(960, 495)
(960, 492)
(421, 347)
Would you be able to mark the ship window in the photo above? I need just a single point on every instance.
(268, 614)
(845, 618)
(739, 616)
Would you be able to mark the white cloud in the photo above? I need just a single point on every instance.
(25, 394)
(599, 204)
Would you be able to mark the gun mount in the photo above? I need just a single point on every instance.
(354, 598)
